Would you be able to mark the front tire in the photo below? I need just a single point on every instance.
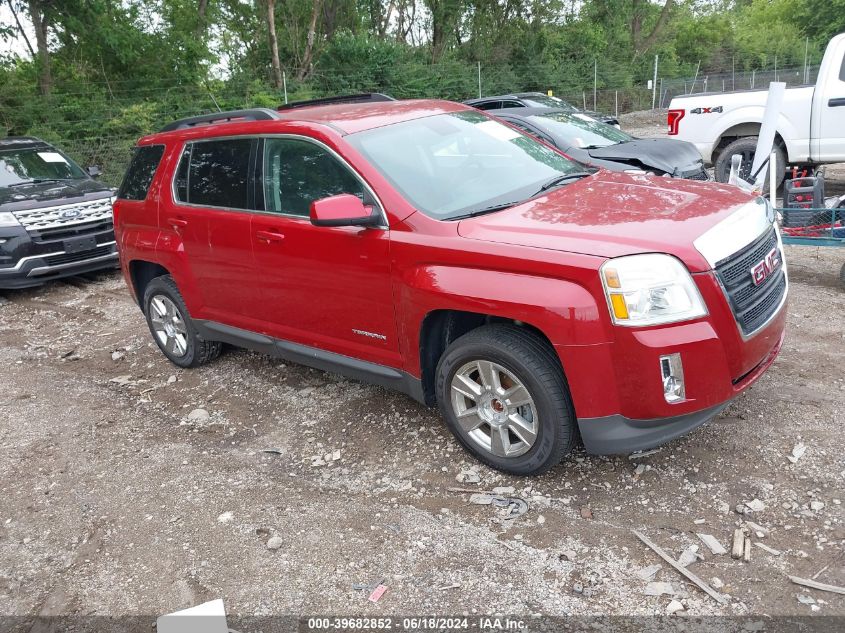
(503, 395)
(746, 147)
(172, 328)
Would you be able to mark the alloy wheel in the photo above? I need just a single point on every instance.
(168, 325)
(494, 408)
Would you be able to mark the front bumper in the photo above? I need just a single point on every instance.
(618, 434)
(27, 260)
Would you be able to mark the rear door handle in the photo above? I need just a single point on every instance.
(177, 222)
(835, 103)
(269, 236)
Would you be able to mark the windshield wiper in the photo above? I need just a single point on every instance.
(559, 180)
(37, 181)
(477, 212)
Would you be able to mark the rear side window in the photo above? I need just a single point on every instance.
(141, 171)
(842, 70)
(215, 174)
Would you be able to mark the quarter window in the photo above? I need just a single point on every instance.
(489, 105)
(141, 171)
(218, 174)
(298, 172)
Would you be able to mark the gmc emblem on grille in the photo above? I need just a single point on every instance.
(762, 269)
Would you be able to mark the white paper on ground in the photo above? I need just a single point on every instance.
(209, 617)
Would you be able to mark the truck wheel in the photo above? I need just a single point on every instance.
(172, 328)
(503, 394)
(746, 147)
(842, 275)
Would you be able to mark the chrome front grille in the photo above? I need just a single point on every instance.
(753, 304)
(65, 215)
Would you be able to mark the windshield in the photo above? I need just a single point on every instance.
(451, 165)
(579, 130)
(18, 166)
(543, 101)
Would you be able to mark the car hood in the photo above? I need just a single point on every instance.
(599, 116)
(665, 154)
(612, 214)
(46, 193)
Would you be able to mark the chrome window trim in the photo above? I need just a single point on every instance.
(300, 137)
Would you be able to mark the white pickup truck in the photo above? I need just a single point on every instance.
(810, 127)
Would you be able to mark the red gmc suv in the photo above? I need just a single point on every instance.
(426, 247)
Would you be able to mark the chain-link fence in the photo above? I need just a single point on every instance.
(100, 127)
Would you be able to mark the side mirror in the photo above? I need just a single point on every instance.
(343, 210)
(94, 171)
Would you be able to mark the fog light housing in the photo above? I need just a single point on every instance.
(672, 377)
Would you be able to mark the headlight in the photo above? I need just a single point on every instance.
(8, 219)
(649, 290)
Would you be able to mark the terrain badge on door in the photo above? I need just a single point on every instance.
(380, 337)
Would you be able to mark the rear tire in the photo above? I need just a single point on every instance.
(503, 395)
(172, 328)
(746, 147)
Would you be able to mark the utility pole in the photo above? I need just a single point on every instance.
(479, 80)
(806, 66)
(654, 84)
(697, 68)
(595, 80)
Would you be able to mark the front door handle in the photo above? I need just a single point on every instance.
(269, 236)
(835, 103)
(177, 222)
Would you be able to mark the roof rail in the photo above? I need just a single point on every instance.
(366, 97)
(255, 114)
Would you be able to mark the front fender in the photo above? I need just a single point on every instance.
(565, 311)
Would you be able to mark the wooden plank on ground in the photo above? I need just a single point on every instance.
(718, 597)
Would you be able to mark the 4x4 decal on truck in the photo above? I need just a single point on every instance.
(715, 110)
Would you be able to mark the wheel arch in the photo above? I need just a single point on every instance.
(741, 130)
(441, 303)
(441, 327)
(141, 273)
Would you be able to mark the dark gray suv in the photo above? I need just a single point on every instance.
(55, 218)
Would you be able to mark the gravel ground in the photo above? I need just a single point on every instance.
(118, 497)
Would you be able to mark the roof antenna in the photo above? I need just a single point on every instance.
(212, 96)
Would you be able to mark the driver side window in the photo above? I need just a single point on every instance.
(297, 172)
